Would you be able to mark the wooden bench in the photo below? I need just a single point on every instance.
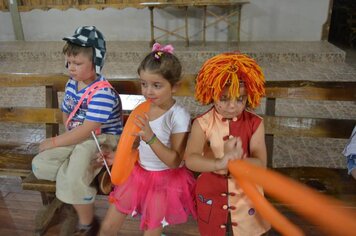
(334, 182)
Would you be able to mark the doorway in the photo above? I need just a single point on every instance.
(343, 23)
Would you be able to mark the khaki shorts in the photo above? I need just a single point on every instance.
(71, 168)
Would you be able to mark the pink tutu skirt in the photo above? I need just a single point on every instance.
(160, 198)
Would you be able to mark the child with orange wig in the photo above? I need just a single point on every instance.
(234, 84)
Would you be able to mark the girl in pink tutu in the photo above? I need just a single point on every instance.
(160, 190)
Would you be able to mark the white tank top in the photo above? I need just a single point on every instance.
(175, 120)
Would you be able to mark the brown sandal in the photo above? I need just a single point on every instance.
(105, 185)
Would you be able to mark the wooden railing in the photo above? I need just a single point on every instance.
(28, 5)
(180, 32)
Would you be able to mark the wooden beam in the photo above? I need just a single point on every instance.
(301, 89)
(276, 125)
(308, 127)
(32, 183)
(15, 164)
(315, 90)
(33, 80)
(31, 115)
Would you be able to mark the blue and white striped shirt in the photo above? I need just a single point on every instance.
(105, 107)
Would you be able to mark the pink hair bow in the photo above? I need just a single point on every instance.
(159, 48)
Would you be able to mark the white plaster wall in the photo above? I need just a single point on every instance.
(262, 20)
(284, 20)
(6, 30)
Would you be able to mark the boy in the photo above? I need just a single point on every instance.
(89, 104)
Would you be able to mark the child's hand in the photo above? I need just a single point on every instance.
(108, 154)
(145, 132)
(232, 151)
(233, 146)
(46, 144)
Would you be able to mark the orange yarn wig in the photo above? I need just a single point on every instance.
(230, 69)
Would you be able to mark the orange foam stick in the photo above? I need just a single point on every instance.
(125, 156)
(267, 210)
(333, 217)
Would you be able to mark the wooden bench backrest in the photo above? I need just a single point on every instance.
(275, 125)
(301, 89)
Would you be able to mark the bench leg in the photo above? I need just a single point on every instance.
(47, 198)
(45, 215)
(70, 221)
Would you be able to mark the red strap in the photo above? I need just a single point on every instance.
(89, 92)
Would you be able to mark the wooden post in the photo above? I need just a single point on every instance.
(152, 27)
(270, 111)
(51, 102)
(233, 23)
(186, 27)
(204, 25)
(326, 25)
(239, 7)
(16, 20)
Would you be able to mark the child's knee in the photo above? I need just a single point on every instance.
(37, 168)
(41, 170)
(34, 165)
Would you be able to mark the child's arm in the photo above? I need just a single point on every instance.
(64, 118)
(194, 158)
(258, 150)
(173, 156)
(74, 136)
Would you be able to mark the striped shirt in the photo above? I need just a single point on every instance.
(105, 107)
